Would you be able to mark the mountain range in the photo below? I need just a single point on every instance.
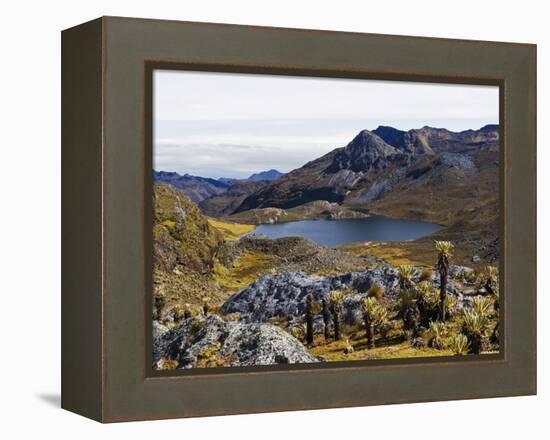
(431, 174)
(201, 188)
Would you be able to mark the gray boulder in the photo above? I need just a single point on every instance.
(238, 344)
(264, 344)
(160, 342)
(455, 271)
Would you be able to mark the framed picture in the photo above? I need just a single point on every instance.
(341, 219)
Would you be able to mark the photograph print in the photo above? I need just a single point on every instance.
(302, 220)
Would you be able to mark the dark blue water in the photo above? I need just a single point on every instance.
(335, 232)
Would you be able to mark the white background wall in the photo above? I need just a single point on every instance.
(30, 218)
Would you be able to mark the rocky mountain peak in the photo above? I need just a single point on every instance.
(365, 151)
(368, 140)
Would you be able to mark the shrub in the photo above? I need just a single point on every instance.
(459, 345)
(376, 291)
(410, 313)
(298, 332)
(206, 304)
(475, 328)
(427, 275)
(450, 304)
(377, 314)
(406, 273)
(437, 331)
(482, 306)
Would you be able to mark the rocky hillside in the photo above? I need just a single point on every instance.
(318, 209)
(185, 247)
(227, 202)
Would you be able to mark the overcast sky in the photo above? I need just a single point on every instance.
(232, 125)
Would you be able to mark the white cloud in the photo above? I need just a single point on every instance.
(234, 124)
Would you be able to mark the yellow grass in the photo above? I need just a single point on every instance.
(231, 231)
(246, 269)
(334, 350)
(418, 253)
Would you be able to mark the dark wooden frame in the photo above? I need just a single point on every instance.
(106, 215)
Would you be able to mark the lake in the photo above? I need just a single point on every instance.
(336, 232)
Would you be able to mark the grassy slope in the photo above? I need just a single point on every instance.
(419, 253)
(230, 231)
(187, 248)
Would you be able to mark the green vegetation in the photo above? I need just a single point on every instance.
(245, 269)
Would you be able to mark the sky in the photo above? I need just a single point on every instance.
(232, 125)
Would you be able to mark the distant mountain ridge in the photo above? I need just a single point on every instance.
(271, 174)
(199, 188)
(195, 187)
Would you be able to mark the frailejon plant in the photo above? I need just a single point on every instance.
(475, 328)
(406, 273)
(335, 308)
(309, 319)
(444, 249)
(375, 316)
(409, 313)
(491, 280)
(459, 345)
(491, 285)
(326, 318)
(437, 332)
(427, 302)
(482, 305)
(450, 304)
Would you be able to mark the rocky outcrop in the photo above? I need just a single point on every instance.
(284, 295)
(211, 341)
(430, 140)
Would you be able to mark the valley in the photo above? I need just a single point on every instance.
(272, 263)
